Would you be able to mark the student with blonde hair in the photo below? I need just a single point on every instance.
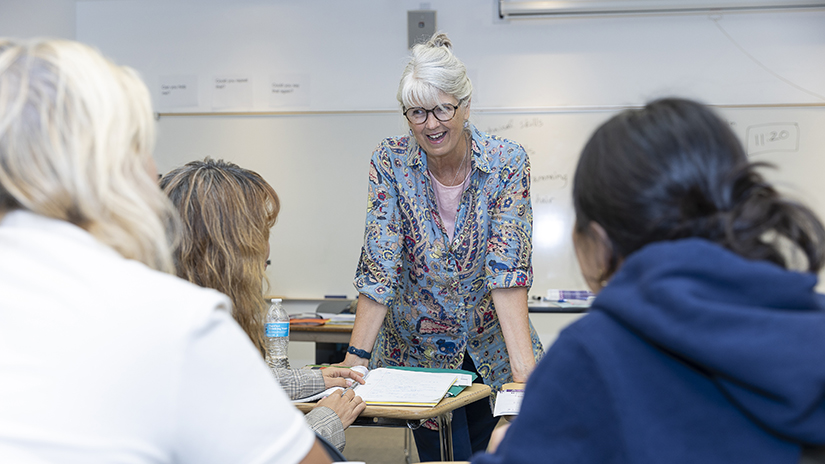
(227, 212)
(104, 356)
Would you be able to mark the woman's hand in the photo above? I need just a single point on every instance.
(346, 406)
(351, 360)
(340, 377)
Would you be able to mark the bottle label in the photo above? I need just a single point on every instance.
(277, 329)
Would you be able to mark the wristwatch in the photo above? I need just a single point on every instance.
(359, 353)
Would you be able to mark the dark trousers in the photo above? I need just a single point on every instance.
(472, 426)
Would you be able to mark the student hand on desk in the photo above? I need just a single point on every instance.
(340, 377)
(346, 406)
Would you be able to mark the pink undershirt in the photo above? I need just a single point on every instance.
(448, 199)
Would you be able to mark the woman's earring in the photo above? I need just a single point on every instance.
(411, 134)
(466, 124)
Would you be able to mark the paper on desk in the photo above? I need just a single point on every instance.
(399, 387)
(508, 402)
(307, 316)
(404, 388)
(463, 380)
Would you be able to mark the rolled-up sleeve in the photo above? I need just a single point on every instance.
(380, 261)
(508, 262)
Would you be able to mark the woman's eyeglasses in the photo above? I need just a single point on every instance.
(443, 112)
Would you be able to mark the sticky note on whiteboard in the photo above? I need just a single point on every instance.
(232, 92)
(178, 91)
(289, 90)
(763, 138)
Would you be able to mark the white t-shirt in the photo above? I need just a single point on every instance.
(103, 360)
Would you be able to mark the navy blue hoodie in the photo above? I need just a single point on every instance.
(691, 354)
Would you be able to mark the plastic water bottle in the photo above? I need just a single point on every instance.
(277, 335)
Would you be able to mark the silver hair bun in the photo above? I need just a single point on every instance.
(440, 39)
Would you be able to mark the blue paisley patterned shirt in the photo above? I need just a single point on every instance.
(438, 292)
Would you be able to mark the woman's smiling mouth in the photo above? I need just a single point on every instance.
(437, 137)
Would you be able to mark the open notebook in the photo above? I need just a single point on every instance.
(397, 387)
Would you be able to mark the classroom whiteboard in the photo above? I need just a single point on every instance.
(318, 164)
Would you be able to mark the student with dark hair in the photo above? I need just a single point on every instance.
(706, 341)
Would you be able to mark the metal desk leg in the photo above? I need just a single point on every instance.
(407, 445)
(445, 435)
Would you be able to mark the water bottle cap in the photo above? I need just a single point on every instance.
(276, 300)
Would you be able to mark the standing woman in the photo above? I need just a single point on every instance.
(445, 266)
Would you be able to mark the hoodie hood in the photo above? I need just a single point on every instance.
(756, 329)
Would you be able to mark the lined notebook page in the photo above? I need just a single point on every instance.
(404, 388)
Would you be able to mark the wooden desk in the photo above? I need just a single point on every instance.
(321, 333)
(399, 416)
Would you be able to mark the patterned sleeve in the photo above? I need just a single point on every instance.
(510, 246)
(380, 259)
(323, 421)
(300, 383)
